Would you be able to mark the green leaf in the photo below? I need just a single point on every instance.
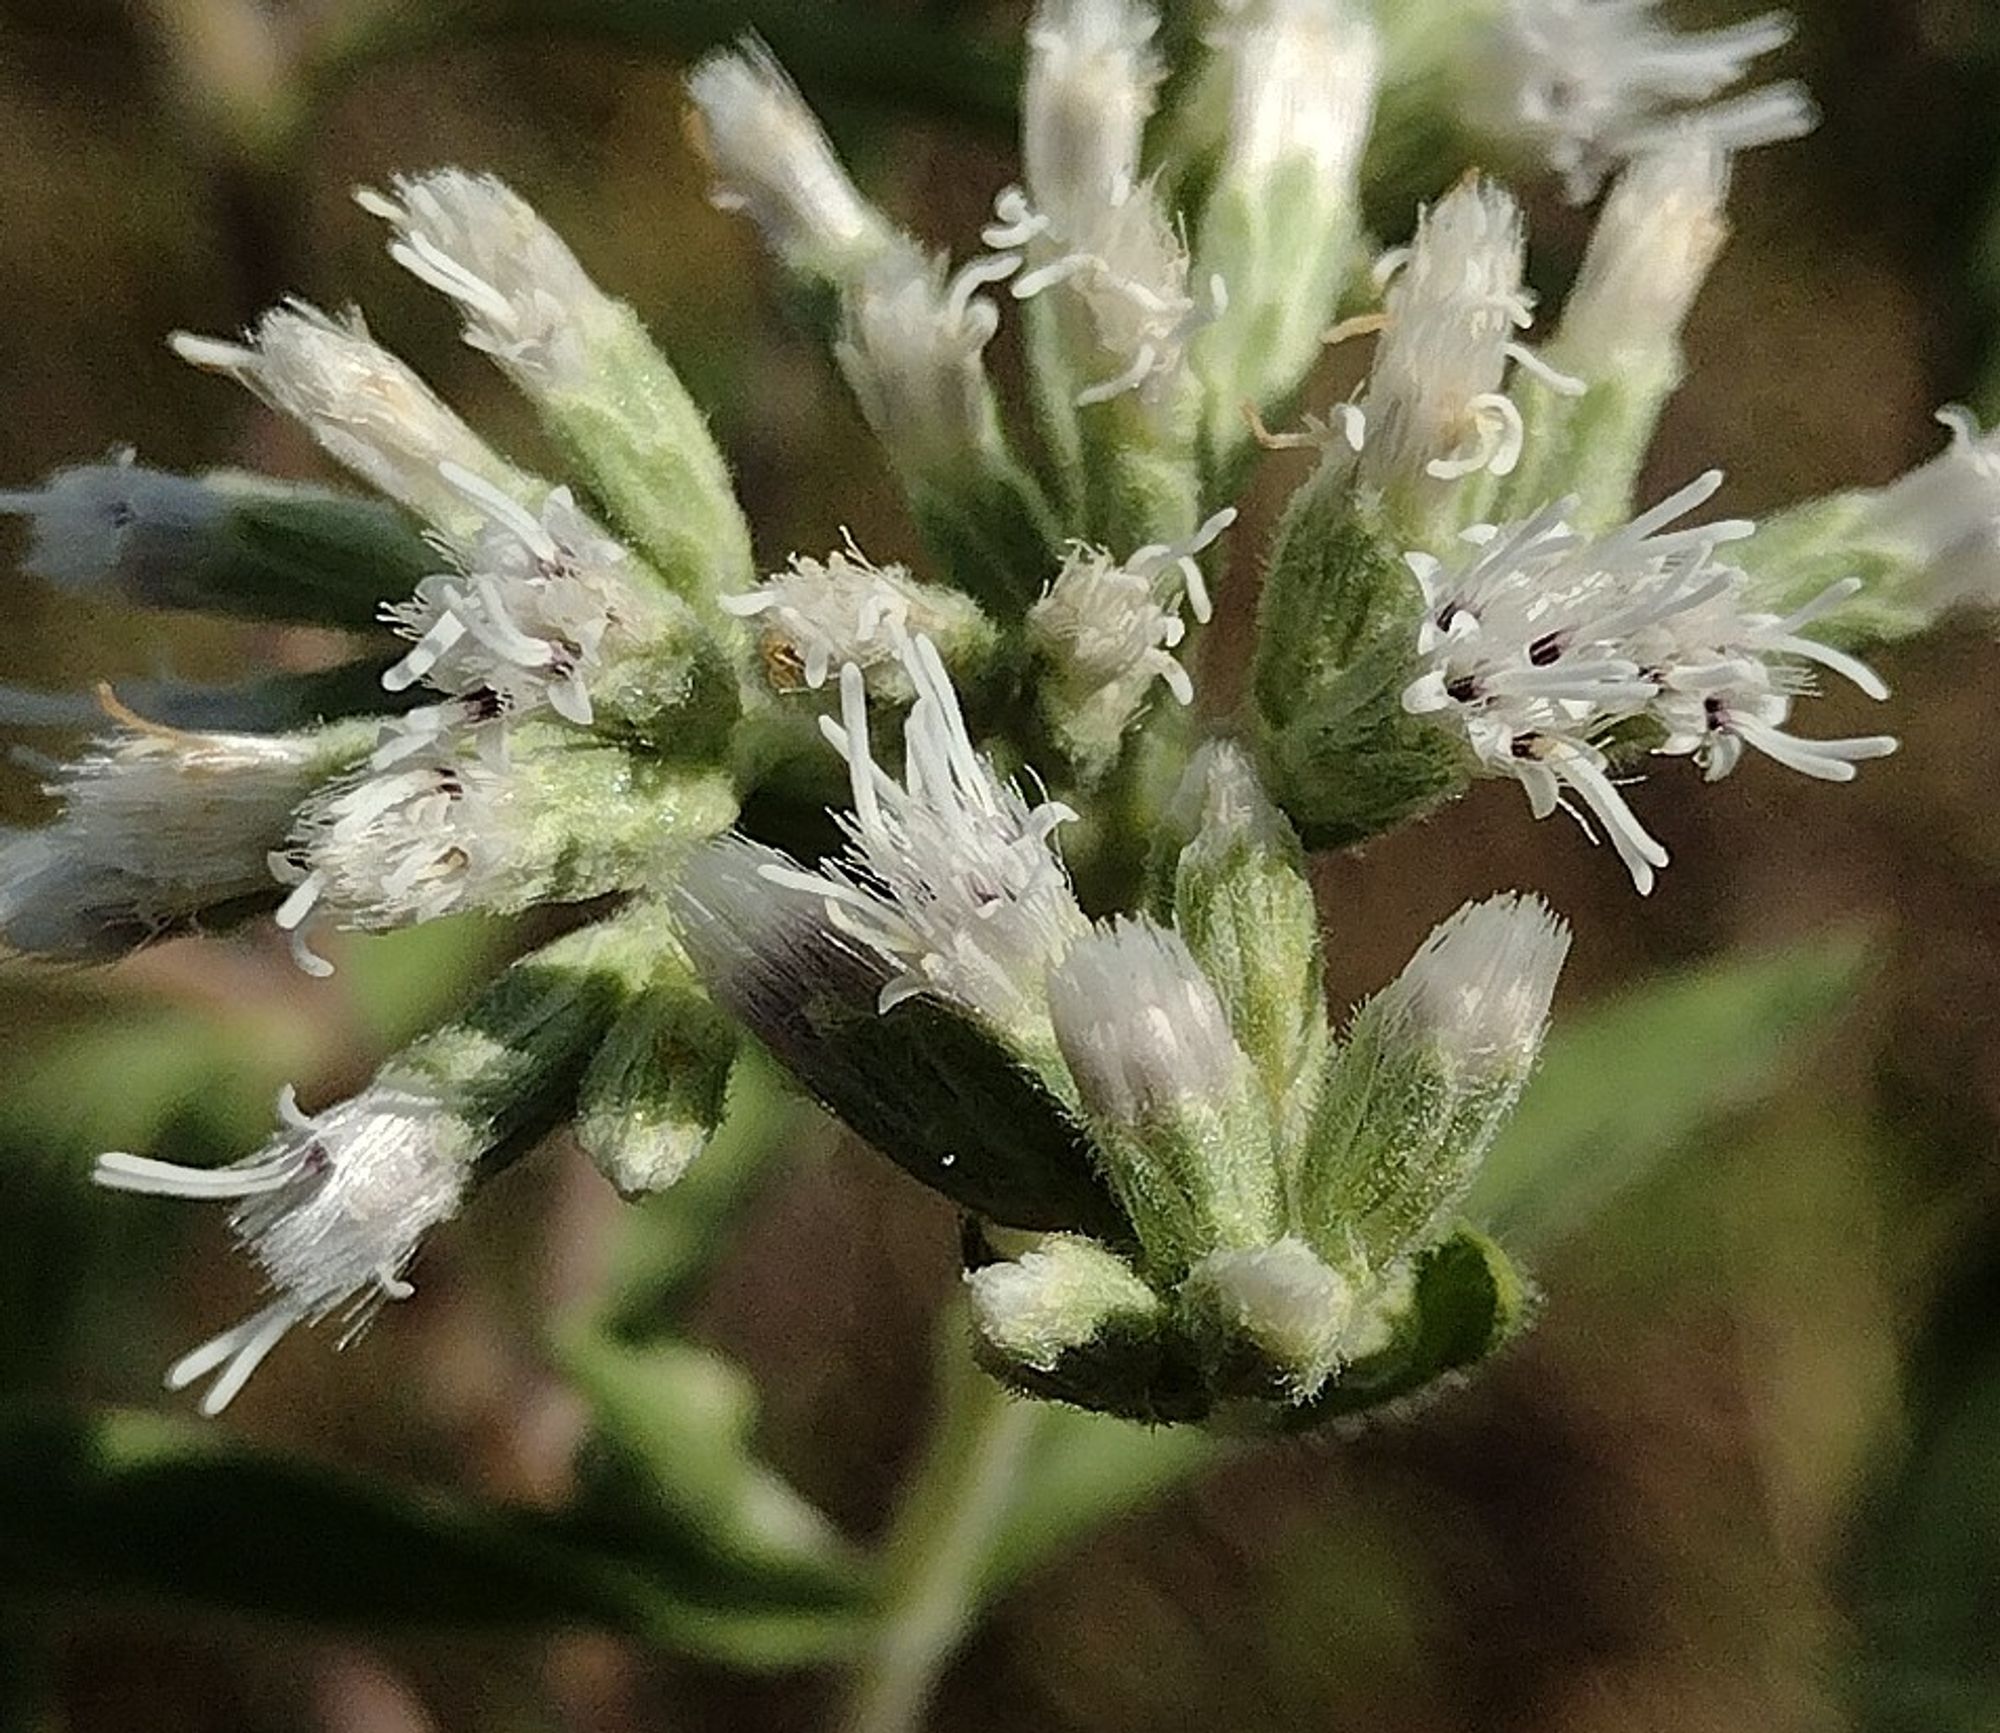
(126, 1507)
(1469, 1299)
(1926, 1573)
(672, 1458)
(1625, 1085)
(1083, 1471)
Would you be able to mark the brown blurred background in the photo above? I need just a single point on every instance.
(1659, 1513)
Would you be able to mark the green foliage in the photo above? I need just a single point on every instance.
(130, 1508)
(1926, 1572)
(1629, 1085)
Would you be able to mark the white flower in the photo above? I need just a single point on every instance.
(823, 613)
(527, 619)
(1086, 227)
(1454, 300)
(1657, 236)
(526, 300)
(772, 161)
(1114, 624)
(158, 826)
(1946, 515)
(1477, 992)
(1141, 1027)
(912, 348)
(1093, 79)
(1594, 82)
(389, 847)
(1302, 81)
(366, 409)
(949, 875)
(332, 1211)
(1544, 640)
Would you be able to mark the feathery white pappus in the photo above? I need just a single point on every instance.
(1541, 640)
(950, 875)
(332, 1211)
(1592, 83)
(367, 410)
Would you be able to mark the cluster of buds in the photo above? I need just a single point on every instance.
(1063, 965)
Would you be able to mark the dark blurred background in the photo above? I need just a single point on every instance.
(1745, 1474)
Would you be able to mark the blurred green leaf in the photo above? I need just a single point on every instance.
(127, 1507)
(1083, 1471)
(672, 1459)
(1926, 1573)
(1624, 1085)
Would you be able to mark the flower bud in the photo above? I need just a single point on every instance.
(1170, 1097)
(774, 163)
(1430, 1070)
(654, 1092)
(367, 410)
(1065, 1300)
(221, 543)
(1419, 1323)
(606, 393)
(1270, 1320)
(162, 831)
(1282, 224)
(1655, 239)
(1243, 904)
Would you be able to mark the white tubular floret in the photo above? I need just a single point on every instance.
(1594, 83)
(332, 1211)
(950, 876)
(1543, 640)
(772, 161)
(1451, 316)
(366, 409)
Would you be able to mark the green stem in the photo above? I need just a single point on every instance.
(938, 1553)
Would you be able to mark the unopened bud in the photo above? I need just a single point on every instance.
(1171, 1098)
(223, 543)
(1431, 1068)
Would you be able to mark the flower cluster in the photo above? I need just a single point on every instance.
(1545, 646)
(1057, 954)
